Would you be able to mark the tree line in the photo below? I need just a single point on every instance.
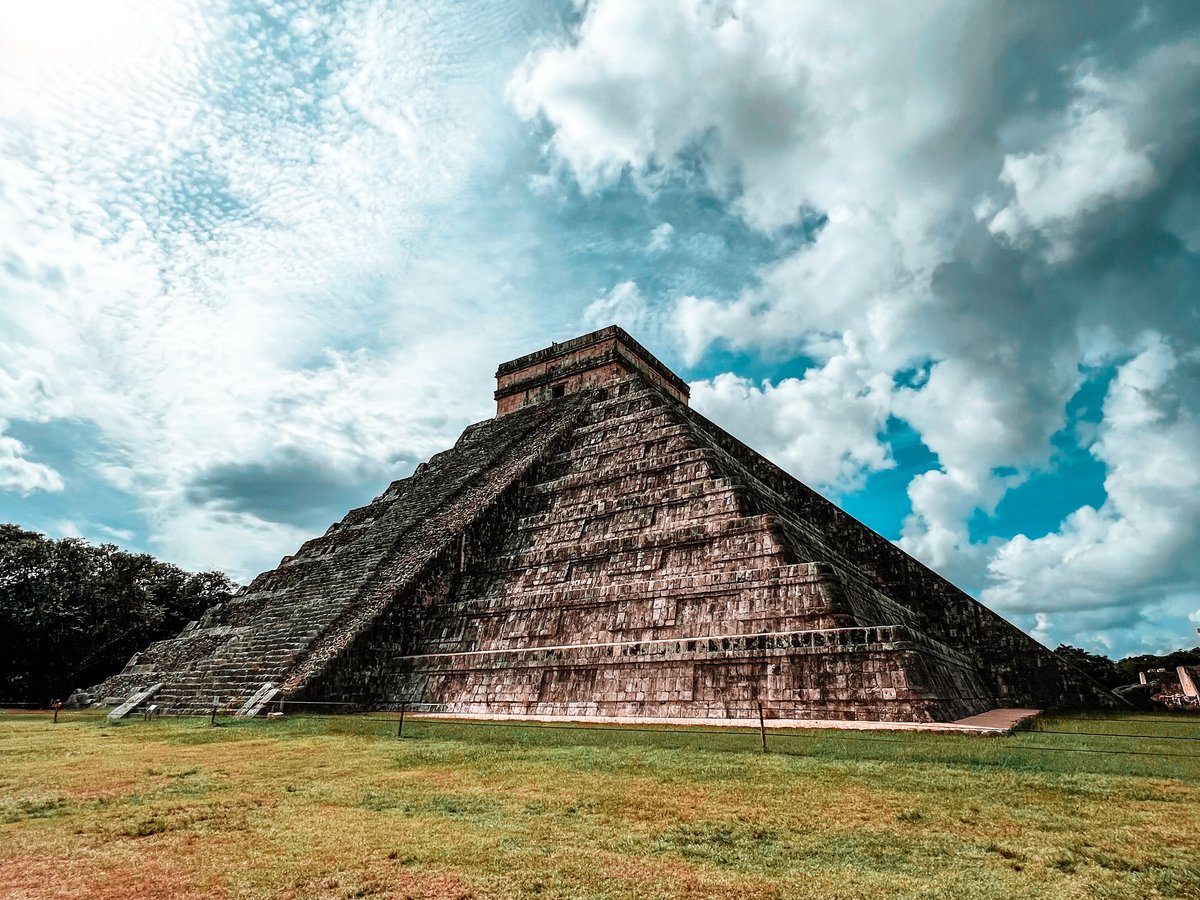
(1115, 673)
(73, 613)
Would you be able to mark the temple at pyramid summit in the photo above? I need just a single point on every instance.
(599, 549)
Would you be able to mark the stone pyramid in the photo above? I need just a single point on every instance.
(600, 549)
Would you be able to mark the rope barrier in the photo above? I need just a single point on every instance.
(1141, 737)
(1180, 719)
(737, 730)
(799, 733)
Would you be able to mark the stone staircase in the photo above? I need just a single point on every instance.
(293, 619)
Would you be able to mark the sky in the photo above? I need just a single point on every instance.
(939, 260)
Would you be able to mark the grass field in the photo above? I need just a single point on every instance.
(338, 807)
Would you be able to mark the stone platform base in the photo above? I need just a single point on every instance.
(995, 721)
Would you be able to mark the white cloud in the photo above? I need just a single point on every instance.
(22, 475)
(1090, 162)
(824, 428)
(1135, 550)
(660, 238)
(851, 278)
(624, 305)
(121, 535)
(1041, 628)
(65, 528)
(978, 418)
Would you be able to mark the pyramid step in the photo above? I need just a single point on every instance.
(682, 466)
(751, 534)
(569, 592)
(713, 492)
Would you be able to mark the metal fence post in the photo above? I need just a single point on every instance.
(762, 728)
(400, 727)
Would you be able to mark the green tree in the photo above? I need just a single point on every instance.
(1114, 674)
(1100, 668)
(1128, 668)
(72, 613)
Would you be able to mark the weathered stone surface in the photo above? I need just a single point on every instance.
(1189, 677)
(1140, 696)
(586, 361)
(601, 549)
(137, 698)
(1175, 688)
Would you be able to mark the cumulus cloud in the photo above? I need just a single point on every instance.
(824, 427)
(624, 305)
(660, 238)
(22, 475)
(1139, 544)
(1004, 196)
(1084, 167)
(1101, 154)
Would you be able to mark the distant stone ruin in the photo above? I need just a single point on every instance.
(1174, 688)
(600, 549)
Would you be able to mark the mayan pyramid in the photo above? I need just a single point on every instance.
(600, 549)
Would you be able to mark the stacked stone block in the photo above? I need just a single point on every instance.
(599, 549)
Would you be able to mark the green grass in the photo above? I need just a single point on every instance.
(338, 807)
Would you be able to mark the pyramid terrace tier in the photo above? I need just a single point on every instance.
(884, 673)
(736, 601)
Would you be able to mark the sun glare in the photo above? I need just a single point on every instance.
(49, 44)
(61, 27)
(36, 35)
